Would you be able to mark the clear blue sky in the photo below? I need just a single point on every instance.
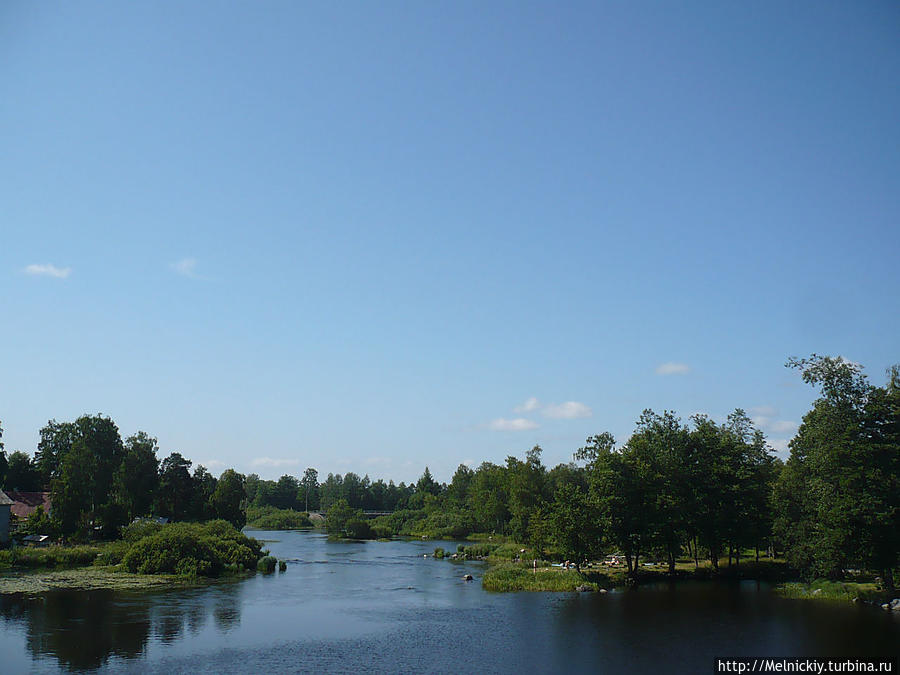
(361, 236)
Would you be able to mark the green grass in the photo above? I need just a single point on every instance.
(513, 577)
(833, 591)
(51, 556)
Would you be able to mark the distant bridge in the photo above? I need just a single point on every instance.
(367, 514)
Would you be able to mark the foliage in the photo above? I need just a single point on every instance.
(190, 550)
(266, 564)
(51, 556)
(272, 518)
(228, 499)
(439, 553)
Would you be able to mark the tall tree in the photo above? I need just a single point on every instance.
(228, 500)
(176, 487)
(309, 486)
(137, 478)
(21, 473)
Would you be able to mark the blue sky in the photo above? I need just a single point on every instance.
(375, 236)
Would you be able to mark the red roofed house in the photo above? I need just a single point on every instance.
(5, 504)
(26, 503)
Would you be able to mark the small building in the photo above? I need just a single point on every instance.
(5, 506)
(26, 503)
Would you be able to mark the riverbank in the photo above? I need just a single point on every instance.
(86, 579)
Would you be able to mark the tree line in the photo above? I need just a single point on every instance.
(702, 489)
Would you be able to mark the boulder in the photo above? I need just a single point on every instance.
(603, 590)
(467, 577)
(584, 588)
(895, 604)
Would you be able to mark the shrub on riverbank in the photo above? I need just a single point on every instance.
(193, 549)
(512, 577)
(840, 591)
(52, 556)
(272, 518)
(266, 565)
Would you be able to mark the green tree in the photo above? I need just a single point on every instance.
(426, 484)
(176, 487)
(338, 515)
(21, 473)
(228, 500)
(137, 478)
(309, 488)
(838, 496)
(56, 439)
(574, 524)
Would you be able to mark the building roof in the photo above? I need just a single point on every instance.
(4, 500)
(26, 503)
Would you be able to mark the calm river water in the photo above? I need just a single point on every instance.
(381, 606)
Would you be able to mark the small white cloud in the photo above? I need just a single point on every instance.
(517, 424)
(48, 270)
(270, 461)
(569, 410)
(186, 267)
(529, 406)
(213, 464)
(784, 427)
(469, 462)
(780, 446)
(764, 411)
(672, 368)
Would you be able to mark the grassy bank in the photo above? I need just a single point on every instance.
(520, 577)
(835, 591)
(148, 555)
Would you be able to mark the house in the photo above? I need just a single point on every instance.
(26, 503)
(5, 505)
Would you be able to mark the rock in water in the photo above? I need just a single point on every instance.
(467, 577)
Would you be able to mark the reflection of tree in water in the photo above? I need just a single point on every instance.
(83, 629)
(80, 629)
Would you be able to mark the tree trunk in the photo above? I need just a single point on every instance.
(737, 556)
(628, 563)
(757, 553)
(888, 577)
(730, 554)
(714, 557)
(696, 555)
(671, 563)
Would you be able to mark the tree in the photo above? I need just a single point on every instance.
(838, 496)
(338, 515)
(309, 485)
(56, 439)
(176, 487)
(204, 484)
(21, 473)
(228, 500)
(574, 522)
(4, 464)
(426, 484)
(137, 478)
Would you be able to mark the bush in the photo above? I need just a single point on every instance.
(113, 553)
(272, 518)
(53, 556)
(511, 577)
(191, 550)
(266, 565)
(282, 566)
(357, 528)
(438, 553)
(139, 530)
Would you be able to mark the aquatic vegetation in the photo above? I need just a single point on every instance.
(512, 577)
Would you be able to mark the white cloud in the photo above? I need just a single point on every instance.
(569, 410)
(517, 424)
(48, 270)
(780, 446)
(764, 411)
(672, 368)
(784, 427)
(529, 405)
(186, 267)
(213, 464)
(270, 461)
(469, 462)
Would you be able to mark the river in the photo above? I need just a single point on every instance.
(383, 607)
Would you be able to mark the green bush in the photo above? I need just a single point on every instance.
(192, 549)
(272, 518)
(139, 530)
(266, 565)
(438, 553)
(282, 566)
(52, 556)
(357, 528)
(512, 577)
(113, 553)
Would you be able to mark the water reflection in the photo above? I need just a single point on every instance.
(83, 630)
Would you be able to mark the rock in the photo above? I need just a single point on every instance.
(584, 588)
(603, 590)
(817, 591)
(895, 604)
(886, 606)
(467, 577)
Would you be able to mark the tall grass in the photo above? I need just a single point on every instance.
(512, 577)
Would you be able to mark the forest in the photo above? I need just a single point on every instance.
(700, 489)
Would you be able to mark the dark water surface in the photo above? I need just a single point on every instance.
(381, 606)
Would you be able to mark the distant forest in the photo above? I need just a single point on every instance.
(700, 489)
